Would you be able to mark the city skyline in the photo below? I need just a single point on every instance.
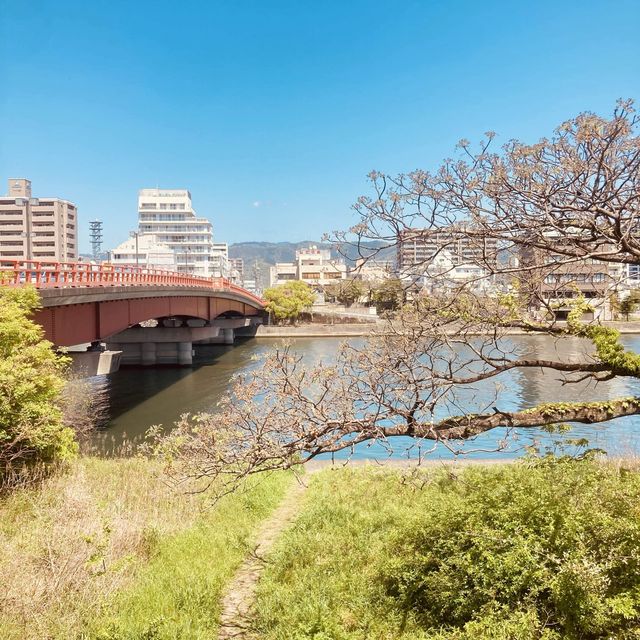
(272, 115)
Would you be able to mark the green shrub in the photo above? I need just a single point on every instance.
(536, 551)
(32, 429)
(287, 301)
(549, 550)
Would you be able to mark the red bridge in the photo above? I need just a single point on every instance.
(84, 302)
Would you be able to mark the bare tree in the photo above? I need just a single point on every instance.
(531, 238)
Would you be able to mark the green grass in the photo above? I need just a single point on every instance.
(178, 594)
(323, 578)
(509, 552)
(106, 550)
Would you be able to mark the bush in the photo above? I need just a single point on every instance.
(550, 550)
(32, 429)
(287, 301)
(543, 551)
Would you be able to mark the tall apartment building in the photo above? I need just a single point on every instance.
(37, 228)
(419, 247)
(168, 215)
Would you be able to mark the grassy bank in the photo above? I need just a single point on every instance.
(106, 550)
(509, 552)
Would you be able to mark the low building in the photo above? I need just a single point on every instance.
(552, 282)
(219, 261)
(314, 266)
(251, 286)
(41, 229)
(445, 273)
(145, 250)
(236, 265)
(372, 270)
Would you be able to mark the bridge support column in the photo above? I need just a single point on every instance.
(148, 354)
(185, 353)
(228, 336)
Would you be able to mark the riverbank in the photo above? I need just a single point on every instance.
(317, 330)
(106, 551)
(521, 551)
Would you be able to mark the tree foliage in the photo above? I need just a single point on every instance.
(546, 230)
(388, 295)
(287, 301)
(628, 305)
(31, 382)
(346, 292)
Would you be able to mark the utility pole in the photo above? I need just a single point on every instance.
(95, 231)
(256, 274)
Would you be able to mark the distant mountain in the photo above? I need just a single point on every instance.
(272, 252)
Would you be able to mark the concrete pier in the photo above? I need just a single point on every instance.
(95, 363)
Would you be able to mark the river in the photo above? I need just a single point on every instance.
(134, 399)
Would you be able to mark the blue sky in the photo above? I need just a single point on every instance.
(273, 112)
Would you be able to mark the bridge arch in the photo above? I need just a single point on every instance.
(80, 322)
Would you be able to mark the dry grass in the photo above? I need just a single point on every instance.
(77, 538)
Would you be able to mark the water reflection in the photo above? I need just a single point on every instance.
(135, 399)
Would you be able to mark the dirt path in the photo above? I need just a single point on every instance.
(237, 604)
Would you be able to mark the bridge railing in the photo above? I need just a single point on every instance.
(51, 275)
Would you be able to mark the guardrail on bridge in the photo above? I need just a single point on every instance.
(51, 275)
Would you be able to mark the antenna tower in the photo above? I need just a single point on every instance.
(95, 231)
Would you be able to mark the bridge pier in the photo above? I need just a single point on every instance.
(151, 346)
(173, 345)
(148, 354)
(185, 354)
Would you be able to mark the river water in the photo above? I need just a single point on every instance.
(132, 400)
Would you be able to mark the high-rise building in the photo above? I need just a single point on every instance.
(168, 215)
(43, 229)
(418, 248)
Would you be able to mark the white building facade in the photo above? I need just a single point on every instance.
(313, 266)
(168, 216)
(220, 260)
(144, 251)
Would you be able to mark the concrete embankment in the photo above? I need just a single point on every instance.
(316, 330)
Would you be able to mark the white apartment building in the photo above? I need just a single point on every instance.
(144, 251)
(168, 215)
(372, 270)
(220, 260)
(37, 228)
(313, 266)
(444, 271)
